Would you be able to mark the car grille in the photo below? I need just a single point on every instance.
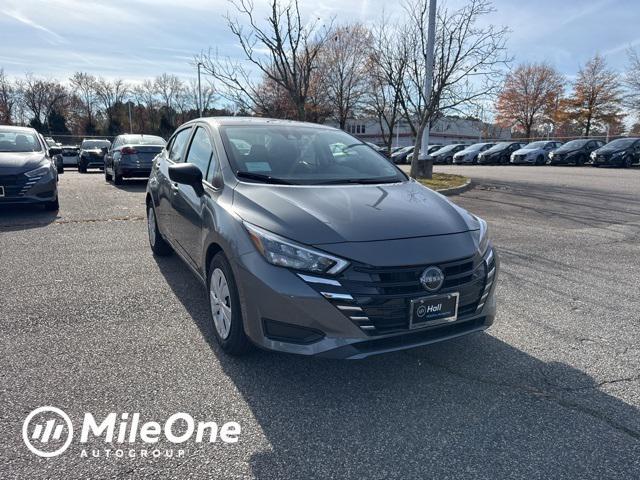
(17, 185)
(378, 299)
(519, 157)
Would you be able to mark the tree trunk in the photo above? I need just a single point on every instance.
(420, 169)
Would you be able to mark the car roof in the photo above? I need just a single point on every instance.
(231, 121)
(18, 129)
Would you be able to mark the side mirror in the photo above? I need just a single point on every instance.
(187, 174)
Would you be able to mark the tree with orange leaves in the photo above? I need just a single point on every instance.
(529, 96)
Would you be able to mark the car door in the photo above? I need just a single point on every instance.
(186, 203)
(174, 153)
(108, 158)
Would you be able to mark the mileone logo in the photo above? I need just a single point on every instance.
(48, 432)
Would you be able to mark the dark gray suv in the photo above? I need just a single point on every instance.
(310, 242)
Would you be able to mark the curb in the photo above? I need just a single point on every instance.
(468, 185)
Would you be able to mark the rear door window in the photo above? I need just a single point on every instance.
(178, 144)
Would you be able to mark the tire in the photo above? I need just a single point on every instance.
(82, 169)
(53, 205)
(224, 307)
(117, 179)
(449, 161)
(627, 162)
(540, 160)
(159, 245)
(107, 177)
(580, 161)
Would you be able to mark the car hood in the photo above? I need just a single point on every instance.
(354, 213)
(610, 150)
(13, 163)
(527, 151)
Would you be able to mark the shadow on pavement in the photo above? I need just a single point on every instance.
(24, 217)
(475, 407)
(136, 185)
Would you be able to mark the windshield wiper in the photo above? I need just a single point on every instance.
(360, 181)
(263, 178)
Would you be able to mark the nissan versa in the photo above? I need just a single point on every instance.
(27, 173)
(308, 252)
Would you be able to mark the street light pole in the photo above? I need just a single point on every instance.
(199, 92)
(428, 78)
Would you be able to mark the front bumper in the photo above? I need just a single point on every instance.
(522, 160)
(19, 189)
(276, 296)
(608, 160)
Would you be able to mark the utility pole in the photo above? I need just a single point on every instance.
(130, 123)
(199, 92)
(428, 78)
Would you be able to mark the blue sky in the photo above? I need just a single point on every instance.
(137, 39)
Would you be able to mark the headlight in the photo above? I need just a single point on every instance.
(513, 155)
(551, 155)
(481, 236)
(38, 172)
(593, 155)
(282, 252)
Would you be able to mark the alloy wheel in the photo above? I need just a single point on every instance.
(151, 226)
(220, 303)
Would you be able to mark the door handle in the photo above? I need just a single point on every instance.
(174, 186)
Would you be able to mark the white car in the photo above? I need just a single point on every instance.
(70, 155)
(535, 153)
(470, 154)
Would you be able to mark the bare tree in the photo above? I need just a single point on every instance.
(387, 66)
(208, 94)
(84, 87)
(41, 97)
(343, 63)
(291, 47)
(597, 96)
(632, 81)
(111, 95)
(529, 96)
(469, 60)
(8, 98)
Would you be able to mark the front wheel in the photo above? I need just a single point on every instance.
(117, 179)
(628, 162)
(224, 305)
(107, 176)
(159, 246)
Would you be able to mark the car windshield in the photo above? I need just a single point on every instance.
(499, 146)
(95, 144)
(532, 145)
(474, 148)
(19, 141)
(304, 155)
(574, 144)
(446, 149)
(621, 143)
(143, 140)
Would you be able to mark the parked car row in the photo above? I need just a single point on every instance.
(622, 152)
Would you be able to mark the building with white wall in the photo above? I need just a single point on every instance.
(445, 131)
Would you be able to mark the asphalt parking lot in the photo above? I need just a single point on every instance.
(90, 321)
